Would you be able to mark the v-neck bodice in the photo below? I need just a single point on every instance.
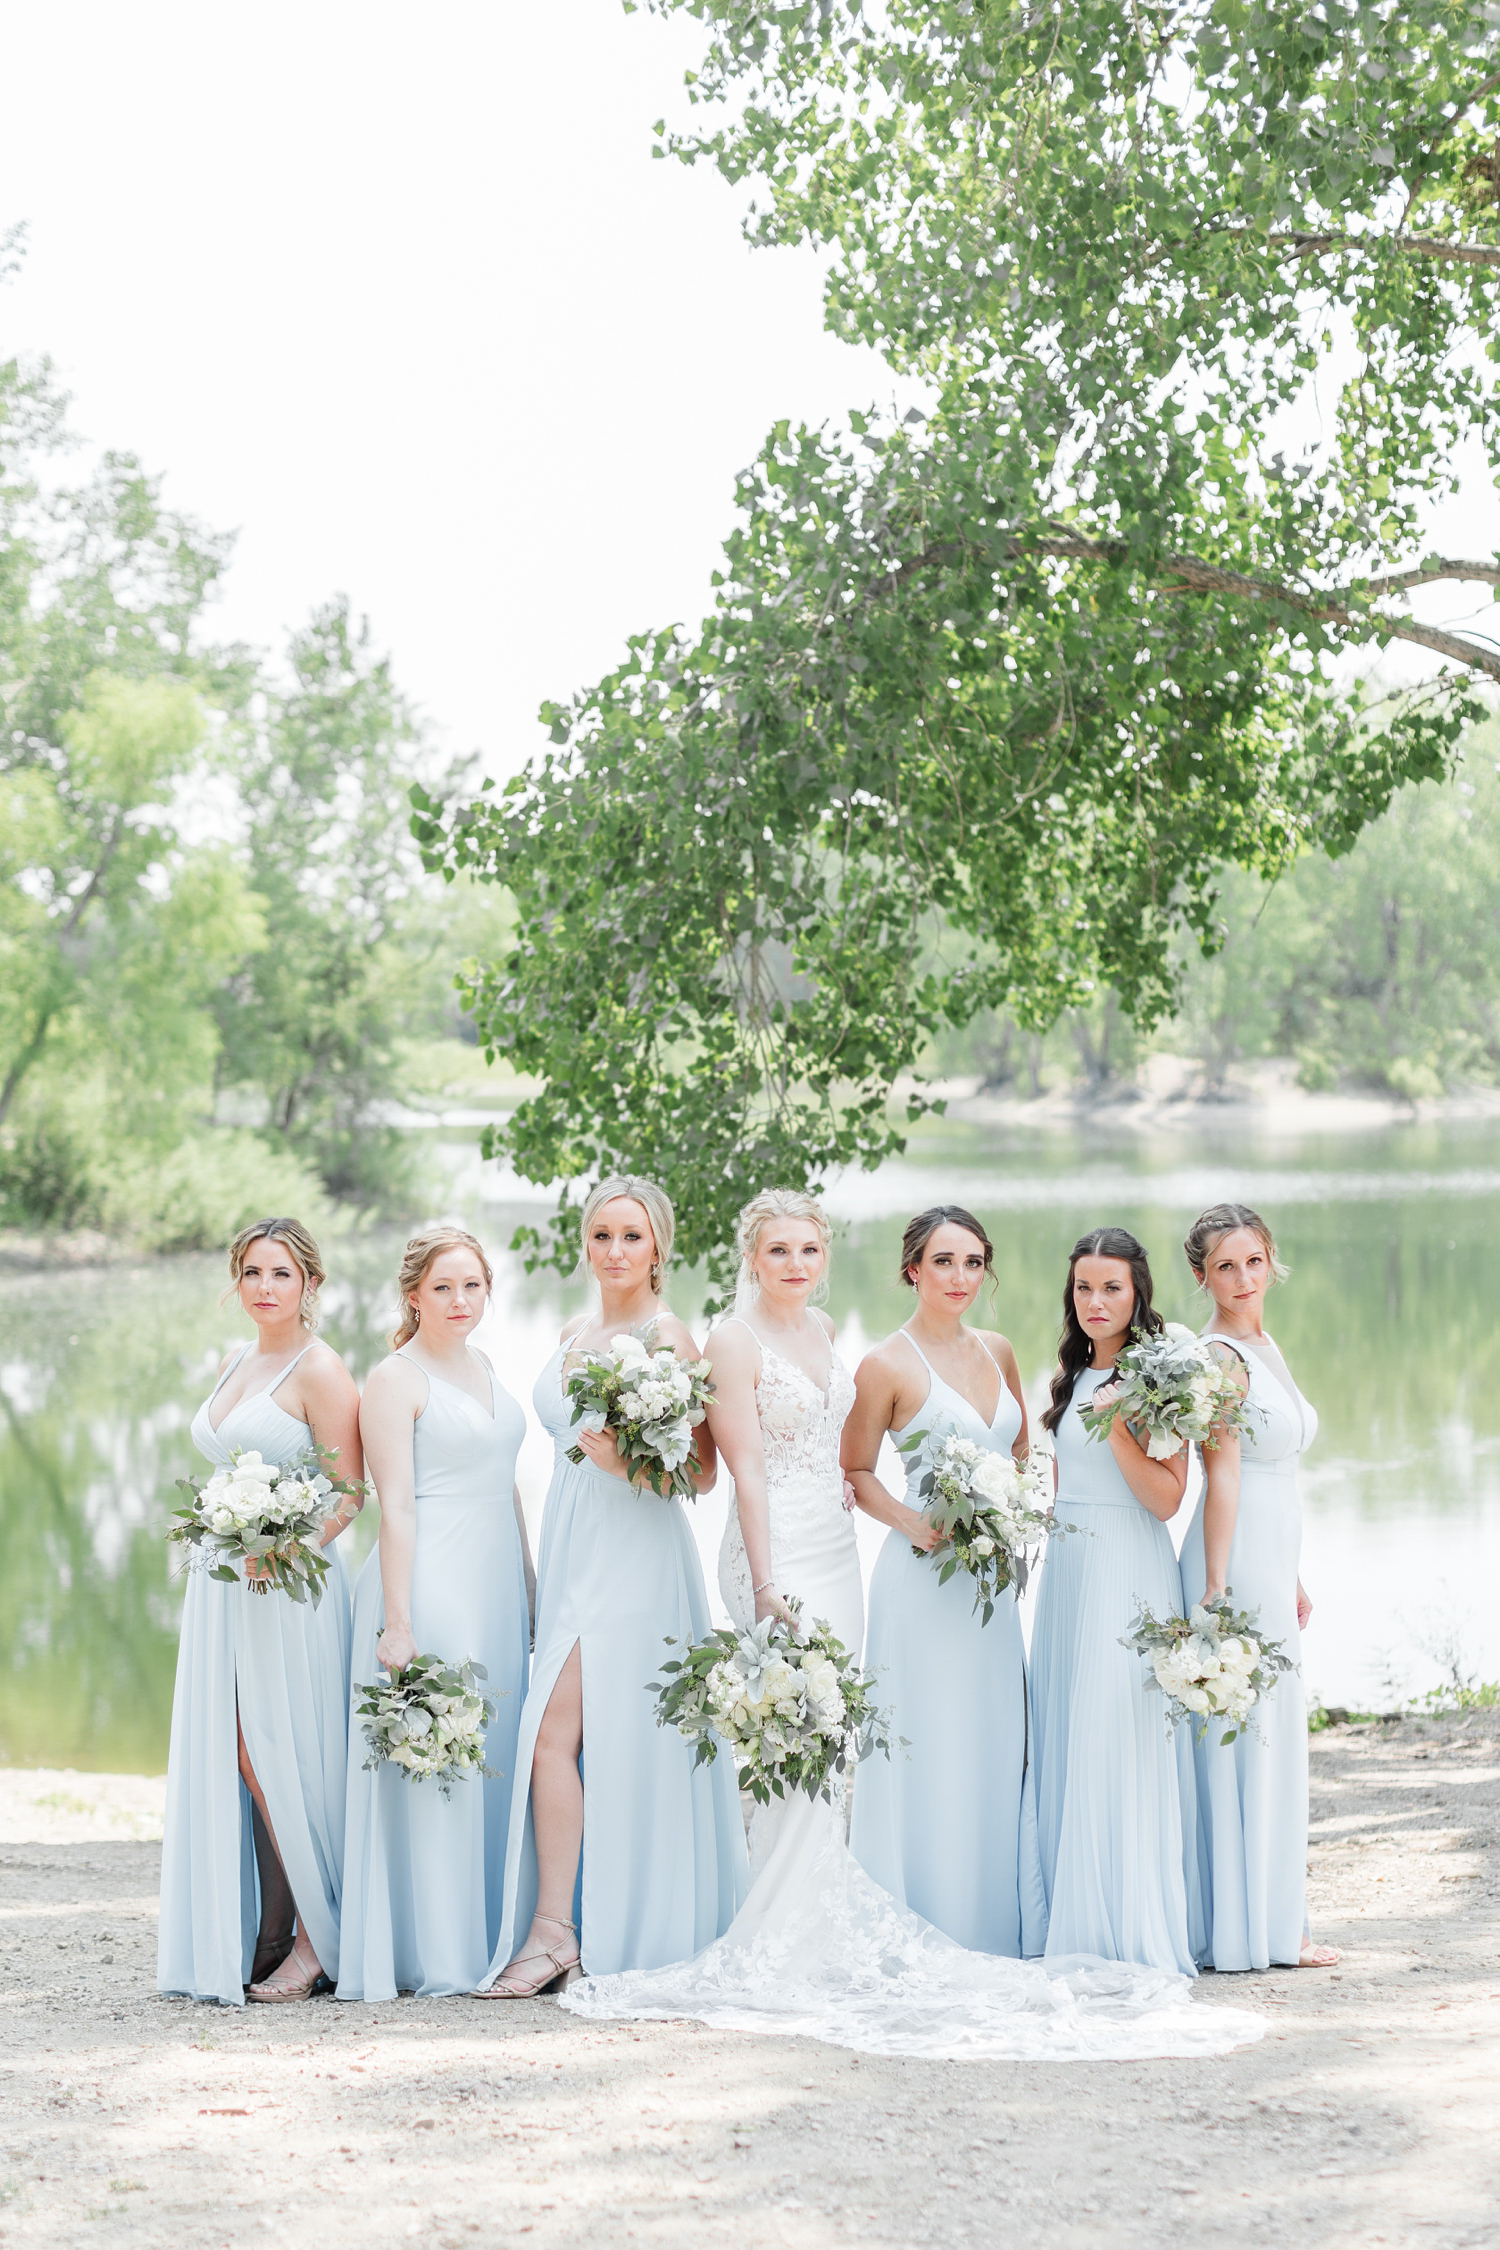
(1280, 1423)
(253, 1425)
(945, 1412)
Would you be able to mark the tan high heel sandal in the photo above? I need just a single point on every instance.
(309, 1982)
(558, 1974)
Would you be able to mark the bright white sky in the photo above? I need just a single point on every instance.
(402, 295)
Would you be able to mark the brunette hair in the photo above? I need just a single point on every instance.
(1074, 1350)
(924, 1226)
(653, 1200)
(416, 1264)
(300, 1246)
(1205, 1235)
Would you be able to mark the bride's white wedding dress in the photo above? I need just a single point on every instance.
(820, 1949)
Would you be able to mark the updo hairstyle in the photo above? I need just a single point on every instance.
(1075, 1350)
(655, 1204)
(758, 1214)
(421, 1251)
(301, 1248)
(924, 1226)
(1205, 1235)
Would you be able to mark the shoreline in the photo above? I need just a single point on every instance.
(1262, 1103)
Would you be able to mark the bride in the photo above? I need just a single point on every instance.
(818, 1948)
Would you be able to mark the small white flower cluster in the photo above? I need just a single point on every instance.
(253, 1494)
(1212, 1665)
(1173, 1391)
(260, 1512)
(994, 1513)
(429, 1721)
(792, 1710)
(652, 1400)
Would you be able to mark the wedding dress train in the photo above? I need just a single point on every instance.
(818, 1948)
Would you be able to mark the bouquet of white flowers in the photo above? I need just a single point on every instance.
(1173, 1391)
(994, 1513)
(428, 1721)
(794, 1708)
(652, 1400)
(1212, 1665)
(258, 1512)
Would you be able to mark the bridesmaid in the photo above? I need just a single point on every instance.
(423, 1873)
(260, 1711)
(621, 1853)
(1247, 1535)
(950, 1828)
(1115, 1803)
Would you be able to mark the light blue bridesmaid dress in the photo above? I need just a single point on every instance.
(423, 1873)
(1252, 1792)
(286, 1665)
(948, 1826)
(1114, 1786)
(663, 1867)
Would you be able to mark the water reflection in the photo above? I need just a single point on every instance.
(1386, 1321)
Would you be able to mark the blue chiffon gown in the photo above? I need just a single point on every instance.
(286, 1665)
(663, 1867)
(1116, 1809)
(423, 1873)
(948, 1826)
(1252, 1792)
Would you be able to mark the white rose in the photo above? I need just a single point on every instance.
(1194, 1698)
(222, 1520)
(993, 1479)
(982, 1547)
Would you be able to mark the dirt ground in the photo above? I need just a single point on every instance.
(1368, 2113)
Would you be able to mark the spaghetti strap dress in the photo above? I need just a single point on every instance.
(1252, 1792)
(1116, 1804)
(663, 1868)
(949, 1825)
(423, 1873)
(285, 1666)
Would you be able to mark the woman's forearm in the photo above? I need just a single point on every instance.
(1221, 1509)
(1157, 1485)
(755, 1527)
(873, 1498)
(398, 1546)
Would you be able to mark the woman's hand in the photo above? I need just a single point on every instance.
(768, 1603)
(1304, 1607)
(395, 1648)
(851, 1498)
(922, 1531)
(602, 1450)
(1209, 1594)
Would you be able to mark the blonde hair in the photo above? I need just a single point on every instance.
(652, 1200)
(1205, 1235)
(759, 1212)
(417, 1263)
(301, 1248)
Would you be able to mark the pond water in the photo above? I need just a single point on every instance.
(1393, 1238)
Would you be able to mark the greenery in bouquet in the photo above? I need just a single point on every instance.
(995, 1514)
(428, 1720)
(794, 1707)
(651, 1400)
(1172, 1390)
(1212, 1666)
(263, 1521)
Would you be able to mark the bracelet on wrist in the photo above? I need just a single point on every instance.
(760, 1589)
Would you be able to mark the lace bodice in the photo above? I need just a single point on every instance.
(800, 1428)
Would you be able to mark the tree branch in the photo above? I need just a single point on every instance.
(1195, 576)
(1424, 245)
(1324, 609)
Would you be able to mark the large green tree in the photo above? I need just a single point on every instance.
(1203, 297)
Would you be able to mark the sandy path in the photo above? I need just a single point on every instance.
(1367, 2115)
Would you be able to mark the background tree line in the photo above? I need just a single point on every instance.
(210, 904)
(1379, 971)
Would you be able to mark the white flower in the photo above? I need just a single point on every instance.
(994, 1479)
(982, 1547)
(1194, 1698)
